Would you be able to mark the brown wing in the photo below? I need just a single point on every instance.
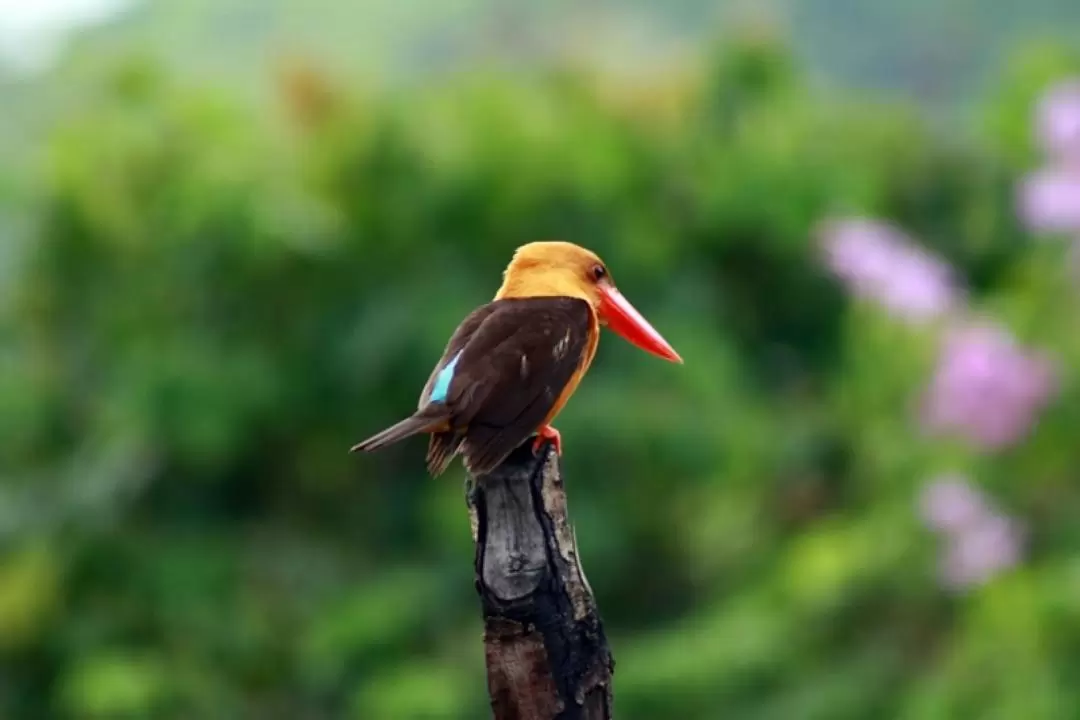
(442, 446)
(511, 371)
(457, 342)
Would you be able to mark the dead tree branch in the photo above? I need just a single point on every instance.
(547, 656)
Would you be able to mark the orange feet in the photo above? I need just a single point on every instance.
(546, 432)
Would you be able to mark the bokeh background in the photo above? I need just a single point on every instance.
(236, 234)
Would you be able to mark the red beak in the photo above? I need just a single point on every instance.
(624, 319)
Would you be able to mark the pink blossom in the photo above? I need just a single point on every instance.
(1058, 121)
(986, 387)
(979, 553)
(879, 262)
(950, 503)
(980, 541)
(1049, 199)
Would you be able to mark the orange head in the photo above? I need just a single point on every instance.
(562, 269)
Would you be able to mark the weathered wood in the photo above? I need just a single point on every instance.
(547, 656)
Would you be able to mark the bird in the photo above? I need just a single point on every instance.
(511, 365)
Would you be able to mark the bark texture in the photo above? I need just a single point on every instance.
(547, 656)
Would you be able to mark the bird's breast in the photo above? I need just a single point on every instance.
(562, 345)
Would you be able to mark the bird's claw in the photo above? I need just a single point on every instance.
(547, 432)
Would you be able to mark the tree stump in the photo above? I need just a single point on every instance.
(547, 656)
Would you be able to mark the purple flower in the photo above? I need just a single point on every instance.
(1049, 199)
(950, 503)
(980, 540)
(980, 552)
(879, 262)
(986, 387)
(1058, 121)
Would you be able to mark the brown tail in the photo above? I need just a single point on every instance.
(442, 447)
(413, 425)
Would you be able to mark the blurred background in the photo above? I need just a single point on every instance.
(235, 236)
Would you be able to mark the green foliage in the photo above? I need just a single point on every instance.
(213, 304)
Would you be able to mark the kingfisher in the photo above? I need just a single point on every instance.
(512, 364)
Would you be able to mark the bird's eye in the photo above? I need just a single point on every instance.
(598, 272)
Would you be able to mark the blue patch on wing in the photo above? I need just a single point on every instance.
(442, 380)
